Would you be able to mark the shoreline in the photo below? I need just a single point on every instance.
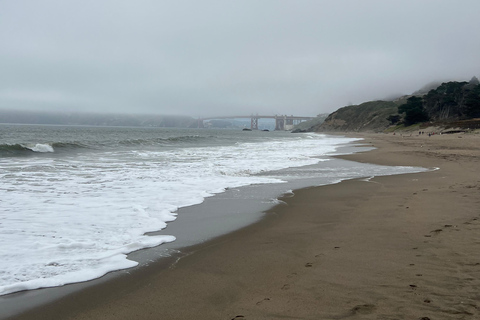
(246, 205)
(300, 263)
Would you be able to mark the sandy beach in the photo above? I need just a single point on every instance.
(394, 247)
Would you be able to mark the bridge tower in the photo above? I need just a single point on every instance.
(279, 123)
(289, 122)
(254, 122)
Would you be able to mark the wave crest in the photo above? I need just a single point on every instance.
(26, 149)
(13, 150)
(40, 147)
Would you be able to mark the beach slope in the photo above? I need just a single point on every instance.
(393, 247)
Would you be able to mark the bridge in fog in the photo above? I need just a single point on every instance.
(282, 122)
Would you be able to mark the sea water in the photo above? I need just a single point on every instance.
(74, 201)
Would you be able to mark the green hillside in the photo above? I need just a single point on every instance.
(447, 105)
(368, 116)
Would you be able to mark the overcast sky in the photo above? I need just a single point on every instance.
(205, 58)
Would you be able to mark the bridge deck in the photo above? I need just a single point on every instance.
(258, 117)
(282, 122)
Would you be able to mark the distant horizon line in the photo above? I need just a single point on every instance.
(63, 112)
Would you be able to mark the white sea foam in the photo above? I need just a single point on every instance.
(72, 219)
(39, 147)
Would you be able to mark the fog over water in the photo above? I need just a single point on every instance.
(204, 58)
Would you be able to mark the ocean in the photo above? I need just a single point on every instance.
(76, 201)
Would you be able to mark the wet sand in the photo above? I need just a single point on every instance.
(395, 247)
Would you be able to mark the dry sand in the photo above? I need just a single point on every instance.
(396, 247)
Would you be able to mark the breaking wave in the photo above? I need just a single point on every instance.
(15, 150)
(26, 149)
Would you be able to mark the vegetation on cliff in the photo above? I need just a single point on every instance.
(414, 111)
(453, 100)
(449, 102)
(368, 116)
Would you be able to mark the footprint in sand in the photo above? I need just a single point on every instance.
(363, 309)
(473, 264)
(265, 299)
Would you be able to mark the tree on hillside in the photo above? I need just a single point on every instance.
(414, 111)
(394, 119)
(472, 102)
(446, 101)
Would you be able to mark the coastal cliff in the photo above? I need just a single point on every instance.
(368, 116)
(449, 104)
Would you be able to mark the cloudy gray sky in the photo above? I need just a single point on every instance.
(205, 57)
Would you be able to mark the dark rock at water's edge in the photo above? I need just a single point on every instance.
(299, 131)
